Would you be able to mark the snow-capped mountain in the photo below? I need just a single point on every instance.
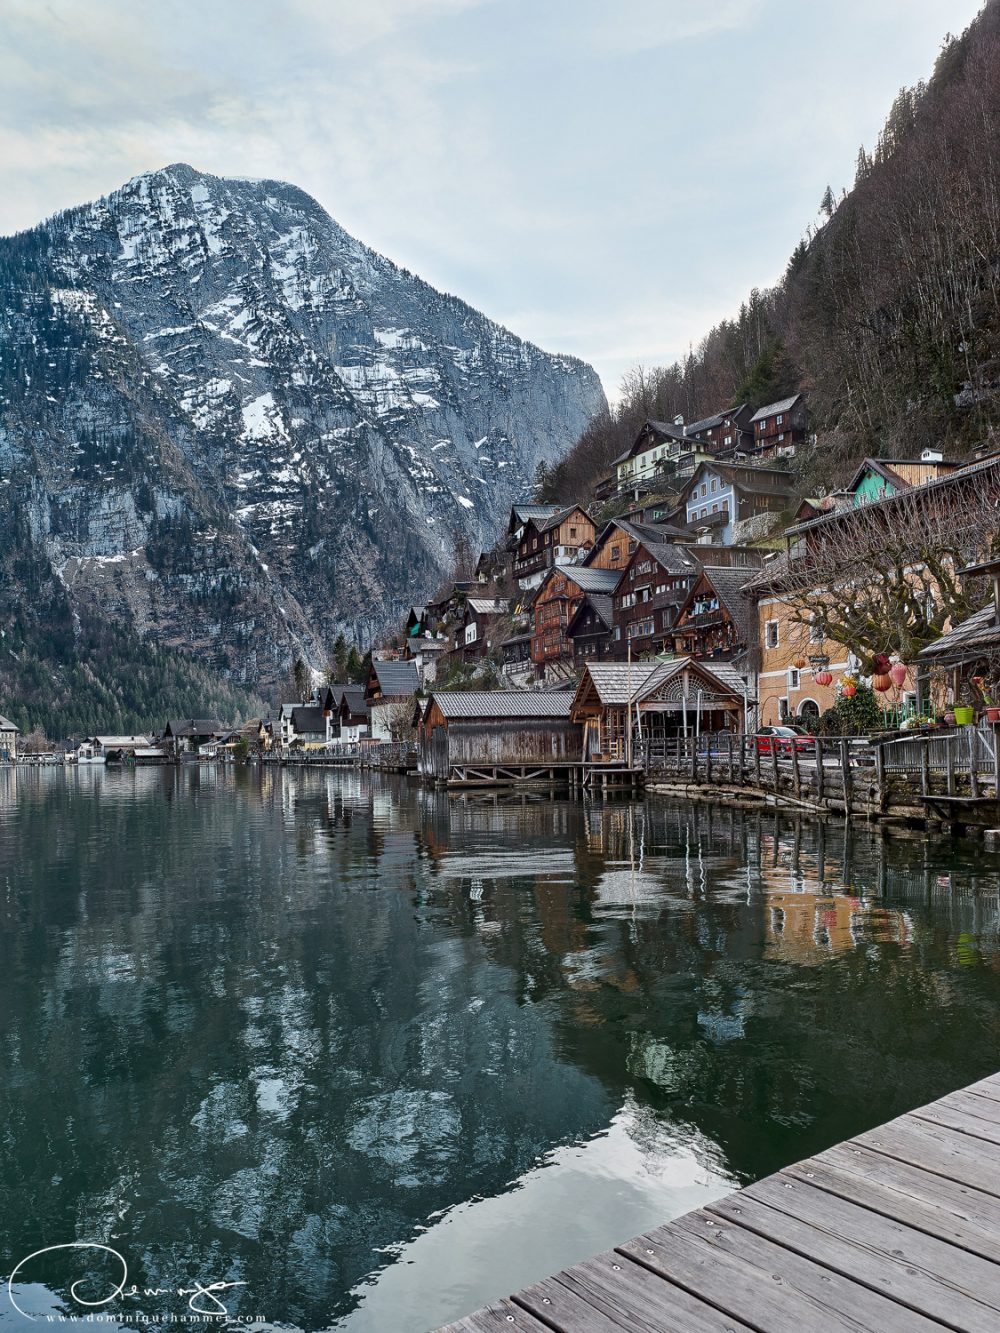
(228, 422)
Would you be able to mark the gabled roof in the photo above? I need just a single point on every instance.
(521, 513)
(639, 532)
(554, 520)
(502, 703)
(621, 683)
(488, 606)
(785, 405)
(194, 726)
(354, 697)
(727, 584)
(970, 639)
(881, 468)
(672, 559)
(744, 477)
(308, 718)
(7, 725)
(586, 577)
(396, 679)
(598, 602)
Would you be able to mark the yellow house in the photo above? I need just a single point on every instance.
(786, 680)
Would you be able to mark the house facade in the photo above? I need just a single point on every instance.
(476, 633)
(590, 628)
(717, 619)
(726, 432)
(554, 607)
(780, 428)
(563, 538)
(724, 494)
(389, 691)
(653, 586)
(9, 733)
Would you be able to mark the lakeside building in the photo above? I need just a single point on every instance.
(9, 733)
(780, 428)
(628, 707)
(467, 734)
(389, 689)
(555, 605)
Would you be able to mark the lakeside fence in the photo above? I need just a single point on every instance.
(872, 774)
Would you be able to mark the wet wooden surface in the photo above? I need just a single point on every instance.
(896, 1231)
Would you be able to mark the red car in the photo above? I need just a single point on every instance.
(783, 738)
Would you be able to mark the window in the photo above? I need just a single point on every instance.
(616, 553)
(713, 485)
(771, 634)
(779, 419)
(618, 631)
(471, 632)
(715, 509)
(572, 533)
(728, 439)
(783, 709)
(793, 678)
(781, 436)
(762, 425)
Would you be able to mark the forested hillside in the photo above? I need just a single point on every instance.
(888, 314)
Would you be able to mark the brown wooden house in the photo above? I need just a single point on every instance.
(591, 627)
(717, 619)
(476, 633)
(617, 541)
(653, 587)
(779, 428)
(555, 605)
(562, 538)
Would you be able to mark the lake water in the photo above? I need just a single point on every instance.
(381, 1054)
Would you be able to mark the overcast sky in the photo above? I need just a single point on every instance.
(605, 177)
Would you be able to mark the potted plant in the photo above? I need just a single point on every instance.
(949, 712)
(965, 711)
(990, 705)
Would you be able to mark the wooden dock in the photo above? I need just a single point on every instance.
(896, 1230)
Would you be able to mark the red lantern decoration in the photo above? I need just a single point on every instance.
(898, 673)
(799, 663)
(881, 682)
(824, 677)
(849, 691)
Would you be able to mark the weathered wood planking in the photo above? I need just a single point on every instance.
(896, 1231)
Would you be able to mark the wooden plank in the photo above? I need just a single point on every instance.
(961, 1121)
(610, 1292)
(943, 1151)
(917, 1270)
(973, 1103)
(503, 1317)
(954, 1213)
(774, 1289)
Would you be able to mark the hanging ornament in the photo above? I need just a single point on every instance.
(898, 672)
(849, 691)
(881, 682)
(799, 663)
(824, 677)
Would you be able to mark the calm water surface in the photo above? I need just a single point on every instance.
(381, 1054)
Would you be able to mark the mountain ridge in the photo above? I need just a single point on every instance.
(237, 429)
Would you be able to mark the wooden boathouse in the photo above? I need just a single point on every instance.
(895, 1231)
(480, 737)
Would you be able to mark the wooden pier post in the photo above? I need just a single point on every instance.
(796, 777)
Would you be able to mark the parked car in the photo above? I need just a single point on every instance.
(783, 738)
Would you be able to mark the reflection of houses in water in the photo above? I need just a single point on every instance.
(805, 927)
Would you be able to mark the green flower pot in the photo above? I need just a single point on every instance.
(963, 716)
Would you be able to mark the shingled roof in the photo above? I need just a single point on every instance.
(484, 704)
(395, 679)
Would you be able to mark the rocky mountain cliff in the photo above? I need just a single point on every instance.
(234, 428)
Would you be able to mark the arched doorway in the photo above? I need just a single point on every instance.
(808, 708)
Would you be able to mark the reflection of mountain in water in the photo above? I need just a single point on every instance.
(267, 1026)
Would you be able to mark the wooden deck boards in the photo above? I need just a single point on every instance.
(896, 1231)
